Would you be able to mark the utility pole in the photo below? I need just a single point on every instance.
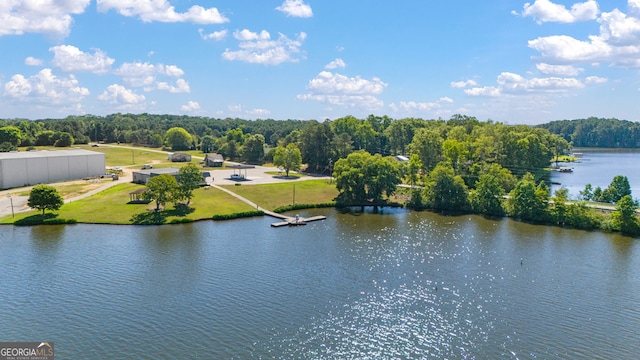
(12, 213)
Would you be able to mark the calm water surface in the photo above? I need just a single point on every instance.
(598, 167)
(394, 285)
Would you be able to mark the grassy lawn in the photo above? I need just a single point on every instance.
(271, 196)
(111, 207)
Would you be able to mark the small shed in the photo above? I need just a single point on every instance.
(179, 157)
(143, 176)
(213, 160)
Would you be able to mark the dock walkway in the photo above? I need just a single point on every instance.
(288, 220)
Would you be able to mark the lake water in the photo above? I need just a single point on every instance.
(598, 167)
(399, 285)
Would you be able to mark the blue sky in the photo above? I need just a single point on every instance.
(509, 61)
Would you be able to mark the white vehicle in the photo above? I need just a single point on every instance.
(236, 177)
(147, 166)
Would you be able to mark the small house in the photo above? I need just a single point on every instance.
(179, 157)
(213, 160)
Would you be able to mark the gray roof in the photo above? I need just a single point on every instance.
(46, 153)
(159, 171)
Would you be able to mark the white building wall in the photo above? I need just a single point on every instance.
(49, 167)
(58, 168)
(38, 171)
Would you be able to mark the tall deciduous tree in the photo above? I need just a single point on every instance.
(44, 197)
(445, 190)
(190, 178)
(10, 134)
(362, 178)
(178, 139)
(162, 189)
(427, 143)
(624, 218)
(253, 149)
(487, 196)
(208, 144)
(528, 202)
(288, 158)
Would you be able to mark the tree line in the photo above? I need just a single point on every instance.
(597, 132)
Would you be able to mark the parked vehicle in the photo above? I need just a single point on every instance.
(147, 166)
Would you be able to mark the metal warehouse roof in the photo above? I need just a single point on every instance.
(46, 153)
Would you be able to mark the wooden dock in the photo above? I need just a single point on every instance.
(291, 221)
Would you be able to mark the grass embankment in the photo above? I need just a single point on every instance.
(112, 206)
(273, 196)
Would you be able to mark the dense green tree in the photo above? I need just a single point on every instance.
(487, 196)
(559, 211)
(624, 218)
(162, 189)
(189, 179)
(208, 144)
(362, 178)
(10, 134)
(618, 189)
(288, 158)
(445, 190)
(315, 146)
(44, 197)
(178, 139)
(427, 144)
(62, 139)
(253, 149)
(341, 146)
(528, 202)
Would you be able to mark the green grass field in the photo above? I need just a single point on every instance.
(271, 196)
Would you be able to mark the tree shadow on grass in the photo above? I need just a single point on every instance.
(160, 217)
(46, 219)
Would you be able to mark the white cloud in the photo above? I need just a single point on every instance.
(515, 84)
(547, 11)
(70, 59)
(595, 80)
(296, 8)
(258, 48)
(560, 70)
(463, 84)
(487, 91)
(216, 35)
(162, 11)
(44, 16)
(618, 42)
(341, 90)
(190, 106)
(336, 64)
(31, 61)
(45, 88)
(122, 97)
(147, 75)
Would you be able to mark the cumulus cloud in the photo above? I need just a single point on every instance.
(46, 88)
(148, 76)
(336, 64)
(618, 42)
(296, 8)
(595, 80)
(70, 59)
(190, 106)
(514, 84)
(559, 70)
(547, 11)
(463, 84)
(162, 11)
(45, 16)
(31, 61)
(347, 91)
(259, 48)
(121, 97)
(411, 106)
(216, 35)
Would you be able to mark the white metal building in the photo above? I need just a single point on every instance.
(27, 168)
